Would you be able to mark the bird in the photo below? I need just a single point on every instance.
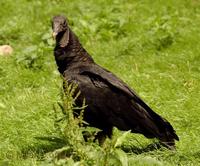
(110, 101)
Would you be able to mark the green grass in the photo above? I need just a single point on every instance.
(154, 46)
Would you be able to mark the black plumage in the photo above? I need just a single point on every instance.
(110, 101)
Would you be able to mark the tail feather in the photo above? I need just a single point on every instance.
(153, 125)
(163, 124)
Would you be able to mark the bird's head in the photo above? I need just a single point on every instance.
(59, 25)
(60, 30)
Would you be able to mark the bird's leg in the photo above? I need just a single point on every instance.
(101, 135)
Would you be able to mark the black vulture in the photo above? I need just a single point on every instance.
(110, 102)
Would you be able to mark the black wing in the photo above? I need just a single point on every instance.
(128, 110)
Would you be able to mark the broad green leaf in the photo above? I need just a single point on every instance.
(120, 140)
(122, 156)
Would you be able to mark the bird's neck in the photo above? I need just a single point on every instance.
(70, 55)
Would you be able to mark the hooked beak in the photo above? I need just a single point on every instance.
(54, 34)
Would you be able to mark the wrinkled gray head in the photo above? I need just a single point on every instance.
(60, 30)
(59, 24)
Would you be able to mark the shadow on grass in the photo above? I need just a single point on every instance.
(49, 144)
(43, 146)
(139, 150)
